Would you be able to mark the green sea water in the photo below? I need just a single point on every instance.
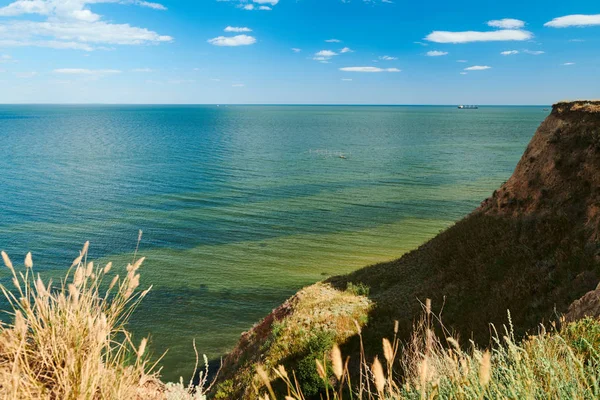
(241, 205)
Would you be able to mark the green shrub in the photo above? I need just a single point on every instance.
(358, 289)
(318, 345)
(584, 337)
(224, 390)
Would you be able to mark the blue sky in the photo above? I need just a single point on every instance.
(299, 51)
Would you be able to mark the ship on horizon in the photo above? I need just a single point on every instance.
(463, 107)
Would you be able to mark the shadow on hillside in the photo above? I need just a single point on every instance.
(477, 270)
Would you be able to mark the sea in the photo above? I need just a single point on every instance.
(240, 206)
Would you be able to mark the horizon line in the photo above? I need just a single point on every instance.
(279, 104)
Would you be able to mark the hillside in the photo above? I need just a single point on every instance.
(531, 248)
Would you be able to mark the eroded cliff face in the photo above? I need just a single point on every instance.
(531, 248)
(559, 171)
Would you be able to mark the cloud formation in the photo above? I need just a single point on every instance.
(436, 53)
(506, 23)
(254, 5)
(368, 69)
(232, 41)
(237, 29)
(474, 36)
(579, 20)
(477, 68)
(324, 56)
(70, 25)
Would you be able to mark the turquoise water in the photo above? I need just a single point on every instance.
(241, 205)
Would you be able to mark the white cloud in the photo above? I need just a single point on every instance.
(388, 58)
(477, 68)
(296, 50)
(347, 79)
(574, 20)
(509, 52)
(326, 53)
(262, 5)
(346, 50)
(156, 6)
(461, 61)
(568, 63)
(369, 69)
(506, 23)
(464, 73)
(474, 36)
(534, 52)
(324, 56)
(233, 41)
(436, 53)
(333, 41)
(237, 29)
(70, 25)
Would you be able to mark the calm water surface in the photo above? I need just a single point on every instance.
(241, 205)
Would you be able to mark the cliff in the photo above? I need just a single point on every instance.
(531, 248)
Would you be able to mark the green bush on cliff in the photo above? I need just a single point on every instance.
(317, 347)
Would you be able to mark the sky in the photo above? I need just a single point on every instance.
(299, 51)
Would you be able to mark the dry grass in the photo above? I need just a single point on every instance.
(588, 107)
(592, 106)
(70, 342)
(563, 364)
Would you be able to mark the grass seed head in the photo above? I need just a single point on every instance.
(336, 361)
(28, 261)
(320, 369)
(378, 375)
(485, 368)
(142, 347)
(107, 268)
(388, 351)
(7, 262)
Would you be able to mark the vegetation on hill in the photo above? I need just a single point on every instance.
(562, 364)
